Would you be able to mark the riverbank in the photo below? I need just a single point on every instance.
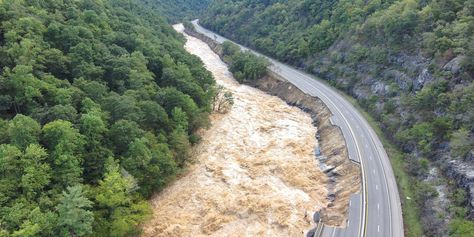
(344, 175)
(253, 174)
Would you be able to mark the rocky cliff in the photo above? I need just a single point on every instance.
(382, 88)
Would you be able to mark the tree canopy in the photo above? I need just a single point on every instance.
(98, 103)
(409, 64)
(178, 10)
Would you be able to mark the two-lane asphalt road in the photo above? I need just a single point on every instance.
(376, 211)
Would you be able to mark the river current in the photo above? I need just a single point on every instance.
(253, 174)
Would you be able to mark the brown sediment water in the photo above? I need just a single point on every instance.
(253, 174)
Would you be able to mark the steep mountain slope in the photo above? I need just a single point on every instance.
(99, 103)
(409, 63)
(176, 10)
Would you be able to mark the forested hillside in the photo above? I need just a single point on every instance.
(99, 103)
(409, 63)
(178, 10)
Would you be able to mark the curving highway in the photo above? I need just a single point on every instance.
(376, 210)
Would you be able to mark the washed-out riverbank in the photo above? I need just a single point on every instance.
(254, 173)
(344, 175)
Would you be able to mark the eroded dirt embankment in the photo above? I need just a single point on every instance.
(344, 176)
(254, 173)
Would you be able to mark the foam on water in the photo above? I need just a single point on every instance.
(254, 172)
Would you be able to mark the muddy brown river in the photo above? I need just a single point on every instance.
(253, 174)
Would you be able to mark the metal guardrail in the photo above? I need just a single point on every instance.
(319, 230)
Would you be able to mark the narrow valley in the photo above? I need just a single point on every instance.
(254, 172)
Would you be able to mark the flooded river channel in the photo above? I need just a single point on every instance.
(253, 174)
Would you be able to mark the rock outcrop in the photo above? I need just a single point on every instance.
(463, 173)
(454, 66)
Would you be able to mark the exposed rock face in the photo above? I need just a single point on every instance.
(454, 65)
(410, 73)
(463, 174)
(379, 88)
(470, 157)
(437, 205)
(413, 63)
(423, 78)
(403, 81)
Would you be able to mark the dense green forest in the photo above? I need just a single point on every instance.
(178, 10)
(99, 103)
(409, 63)
(245, 66)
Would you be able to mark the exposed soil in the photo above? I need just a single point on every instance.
(254, 173)
(344, 175)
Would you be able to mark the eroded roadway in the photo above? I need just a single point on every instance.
(376, 210)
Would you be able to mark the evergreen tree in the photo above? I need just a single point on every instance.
(74, 218)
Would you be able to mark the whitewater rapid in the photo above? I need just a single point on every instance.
(253, 174)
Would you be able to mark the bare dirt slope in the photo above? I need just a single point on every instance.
(344, 175)
(254, 172)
